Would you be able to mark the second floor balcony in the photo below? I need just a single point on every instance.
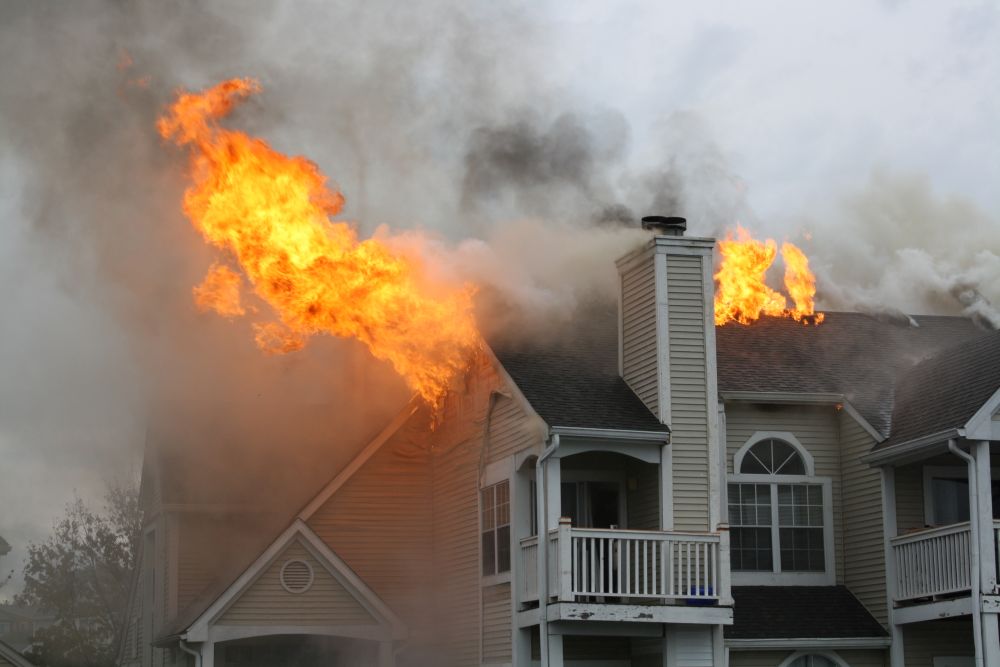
(633, 575)
(936, 563)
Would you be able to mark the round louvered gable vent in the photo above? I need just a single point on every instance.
(296, 576)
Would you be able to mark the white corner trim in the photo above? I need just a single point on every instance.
(200, 629)
(980, 426)
(778, 435)
(661, 313)
(324, 495)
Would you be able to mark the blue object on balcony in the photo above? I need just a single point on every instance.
(701, 601)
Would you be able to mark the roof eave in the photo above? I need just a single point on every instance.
(612, 433)
(914, 449)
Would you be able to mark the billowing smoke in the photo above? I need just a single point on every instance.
(435, 115)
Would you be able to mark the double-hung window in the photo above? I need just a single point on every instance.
(495, 507)
(779, 513)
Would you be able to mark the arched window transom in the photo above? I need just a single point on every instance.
(772, 457)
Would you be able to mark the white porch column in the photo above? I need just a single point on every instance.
(555, 650)
(386, 655)
(553, 487)
(987, 551)
(522, 647)
(207, 654)
(667, 488)
(896, 649)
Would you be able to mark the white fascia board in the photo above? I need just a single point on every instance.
(586, 612)
(201, 629)
(843, 643)
(659, 437)
(320, 499)
(911, 450)
(980, 426)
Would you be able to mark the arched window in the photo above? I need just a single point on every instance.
(772, 457)
(814, 660)
(779, 511)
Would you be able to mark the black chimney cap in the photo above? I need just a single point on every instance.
(665, 225)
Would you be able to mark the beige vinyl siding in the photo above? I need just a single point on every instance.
(496, 624)
(689, 402)
(378, 522)
(266, 602)
(639, 363)
(194, 556)
(854, 658)
(4, 662)
(909, 498)
(510, 430)
(456, 552)
(923, 641)
(864, 547)
(816, 427)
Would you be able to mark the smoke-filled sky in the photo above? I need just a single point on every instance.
(523, 137)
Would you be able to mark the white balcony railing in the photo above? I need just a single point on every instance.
(619, 565)
(933, 562)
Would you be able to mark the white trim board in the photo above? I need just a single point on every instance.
(358, 461)
(842, 643)
(981, 426)
(202, 629)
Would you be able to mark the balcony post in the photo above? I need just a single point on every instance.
(725, 591)
(666, 487)
(565, 562)
(896, 649)
(987, 551)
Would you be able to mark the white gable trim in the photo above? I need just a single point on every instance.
(980, 426)
(200, 630)
(13, 656)
(359, 460)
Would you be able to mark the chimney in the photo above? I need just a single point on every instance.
(666, 354)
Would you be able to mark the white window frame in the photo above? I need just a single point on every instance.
(776, 577)
(837, 660)
(495, 473)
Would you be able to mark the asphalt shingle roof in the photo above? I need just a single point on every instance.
(946, 390)
(574, 381)
(799, 612)
(853, 354)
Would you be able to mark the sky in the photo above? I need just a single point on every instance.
(863, 130)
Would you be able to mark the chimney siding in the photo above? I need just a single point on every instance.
(667, 356)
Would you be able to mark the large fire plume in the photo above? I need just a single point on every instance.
(743, 296)
(272, 213)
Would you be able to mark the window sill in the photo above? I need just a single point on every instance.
(496, 579)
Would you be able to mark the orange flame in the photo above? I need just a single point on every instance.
(743, 296)
(273, 213)
(219, 291)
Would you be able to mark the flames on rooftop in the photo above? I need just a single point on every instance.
(742, 295)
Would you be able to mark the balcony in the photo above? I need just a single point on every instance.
(608, 574)
(935, 563)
